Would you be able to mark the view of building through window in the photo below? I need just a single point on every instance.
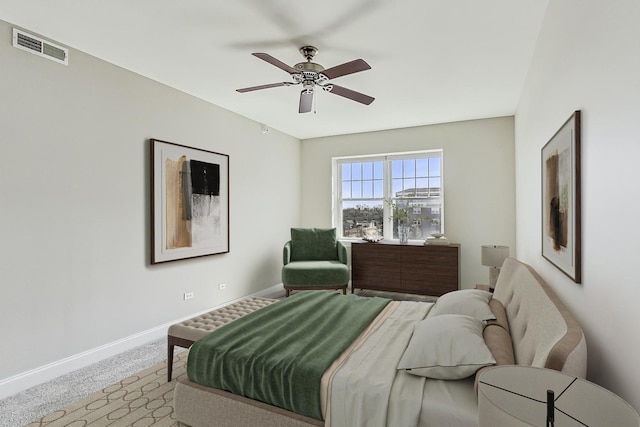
(390, 191)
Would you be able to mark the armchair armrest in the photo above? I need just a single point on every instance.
(286, 253)
(342, 252)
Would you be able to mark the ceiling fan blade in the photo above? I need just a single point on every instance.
(306, 101)
(249, 89)
(350, 94)
(354, 66)
(273, 61)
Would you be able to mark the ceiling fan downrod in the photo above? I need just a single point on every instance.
(308, 52)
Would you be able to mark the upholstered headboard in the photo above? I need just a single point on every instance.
(543, 331)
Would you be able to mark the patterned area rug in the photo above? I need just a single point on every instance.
(143, 399)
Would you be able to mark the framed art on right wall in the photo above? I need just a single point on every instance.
(561, 224)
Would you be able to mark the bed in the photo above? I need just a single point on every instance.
(408, 364)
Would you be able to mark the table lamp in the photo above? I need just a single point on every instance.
(493, 256)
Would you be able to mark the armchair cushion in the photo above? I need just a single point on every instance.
(313, 244)
(315, 273)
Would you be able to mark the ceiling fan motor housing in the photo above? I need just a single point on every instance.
(309, 71)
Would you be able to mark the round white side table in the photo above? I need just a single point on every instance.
(512, 396)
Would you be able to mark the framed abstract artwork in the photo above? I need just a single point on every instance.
(189, 202)
(561, 224)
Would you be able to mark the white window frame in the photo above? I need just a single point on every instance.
(337, 199)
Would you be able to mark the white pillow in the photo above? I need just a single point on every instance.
(446, 347)
(469, 302)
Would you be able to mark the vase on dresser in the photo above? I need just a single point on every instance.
(403, 233)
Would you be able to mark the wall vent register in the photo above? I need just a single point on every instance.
(36, 45)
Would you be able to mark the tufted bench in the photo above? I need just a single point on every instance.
(184, 334)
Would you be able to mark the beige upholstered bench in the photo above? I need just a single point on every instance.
(184, 334)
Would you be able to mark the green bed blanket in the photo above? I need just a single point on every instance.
(278, 354)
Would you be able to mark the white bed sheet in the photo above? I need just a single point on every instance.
(388, 397)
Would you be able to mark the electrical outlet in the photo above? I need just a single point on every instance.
(222, 286)
(188, 295)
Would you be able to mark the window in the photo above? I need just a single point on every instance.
(366, 190)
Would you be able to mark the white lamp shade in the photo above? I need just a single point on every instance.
(494, 255)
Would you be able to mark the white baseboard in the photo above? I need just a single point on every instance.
(25, 380)
(20, 382)
(276, 290)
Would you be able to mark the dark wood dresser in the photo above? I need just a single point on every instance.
(410, 268)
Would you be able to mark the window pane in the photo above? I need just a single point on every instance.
(367, 170)
(409, 168)
(434, 166)
(422, 168)
(396, 187)
(356, 216)
(356, 189)
(434, 184)
(346, 190)
(422, 217)
(422, 184)
(378, 189)
(367, 189)
(377, 170)
(356, 171)
(396, 169)
(346, 171)
(409, 187)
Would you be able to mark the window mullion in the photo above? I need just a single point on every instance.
(386, 209)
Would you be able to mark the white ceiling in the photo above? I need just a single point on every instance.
(433, 61)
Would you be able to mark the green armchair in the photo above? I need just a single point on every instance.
(314, 259)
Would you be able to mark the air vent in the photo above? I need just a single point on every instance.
(40, 47)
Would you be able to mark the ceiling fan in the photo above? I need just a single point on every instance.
(311, 75)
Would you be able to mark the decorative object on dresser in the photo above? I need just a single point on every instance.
(561, 206)
(512, 396)
(409, 268)
(493, 256)
(371, 233)
(189, 202)
(404, 217)
(436, 239)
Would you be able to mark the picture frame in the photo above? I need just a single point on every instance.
(561, 205)
(189, 202)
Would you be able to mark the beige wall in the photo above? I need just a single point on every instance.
(74, 191)
(478, 180)
(587, 59)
